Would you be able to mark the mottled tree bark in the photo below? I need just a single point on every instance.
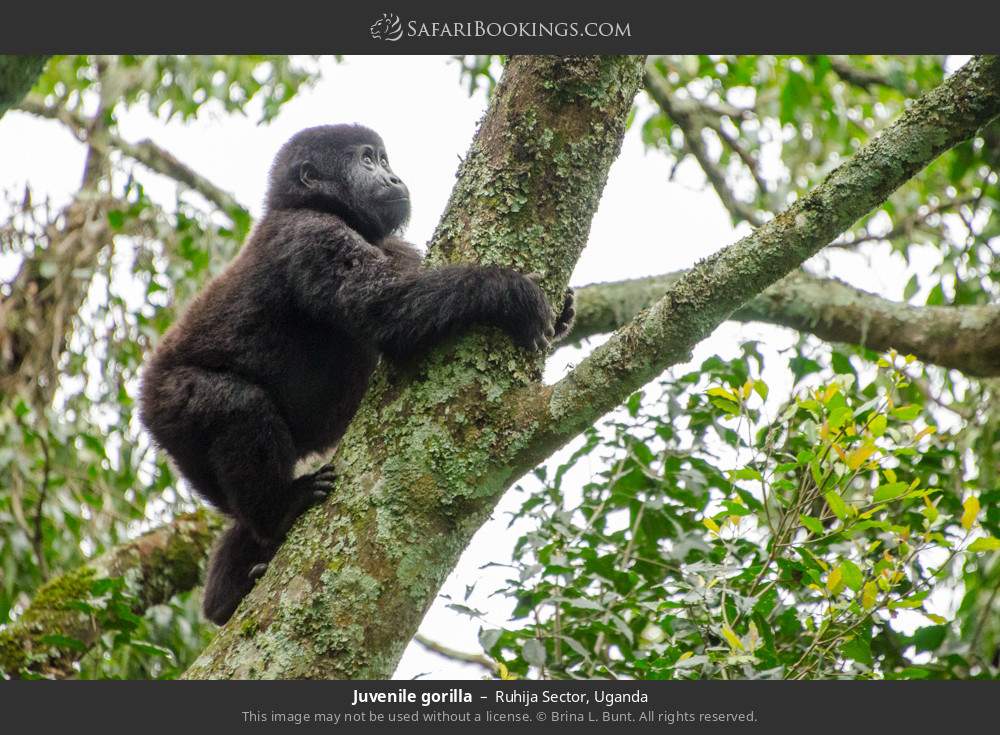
(17, 75)
(52, 635)
(467, 425)
(436, 442)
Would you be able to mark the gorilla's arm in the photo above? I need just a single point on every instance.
(404, 253)
(402, 309)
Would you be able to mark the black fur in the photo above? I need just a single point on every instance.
(270, 361)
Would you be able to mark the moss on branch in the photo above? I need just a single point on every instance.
(54, 632)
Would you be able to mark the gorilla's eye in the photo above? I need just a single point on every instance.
(385, 161)
(367, 158)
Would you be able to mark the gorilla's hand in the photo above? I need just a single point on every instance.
(564, 321)
(529, 316)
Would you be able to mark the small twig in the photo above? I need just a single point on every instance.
(867, 78)
(145, 152)
(905, 225)
(661, 95)
(37, 540)
(463, 656)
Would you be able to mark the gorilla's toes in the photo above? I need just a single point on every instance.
(321, 482)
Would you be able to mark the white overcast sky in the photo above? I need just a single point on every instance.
(645, 225)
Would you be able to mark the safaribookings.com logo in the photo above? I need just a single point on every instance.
(390, 28)
(387, 28)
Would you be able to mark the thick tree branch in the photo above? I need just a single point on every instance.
(53, 633)
(717, 286)
(17, 75)
(146, 152)
(965, 338)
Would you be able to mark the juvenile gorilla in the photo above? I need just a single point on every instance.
(270, 361)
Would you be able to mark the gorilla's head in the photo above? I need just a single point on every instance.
(341, 169)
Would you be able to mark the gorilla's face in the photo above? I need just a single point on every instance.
(343, 169)
(374, 187)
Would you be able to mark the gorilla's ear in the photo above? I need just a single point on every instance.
(308, 174)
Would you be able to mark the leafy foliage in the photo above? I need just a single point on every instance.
(734, 536)
(838, 518)
(846, 527)
(180, 86)
(76, 475)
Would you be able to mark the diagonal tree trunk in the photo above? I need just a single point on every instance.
(437, 442)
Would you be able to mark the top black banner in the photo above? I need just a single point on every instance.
(514, 26)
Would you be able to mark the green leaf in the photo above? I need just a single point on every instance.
(533, 652)
(836, 504)
(835, 581)
(869, 595)
(64, 641)
(734, 642)
(987, 543)
(889, 491)
(746, 473)
(839, 416)
(116, 219)
(841, 364)
(813, 524)
(929, 638)
(858, 649)
(906, 413)
(794, 96)
(151, 649)
(852, 575)
(488, 637)
(816, 472)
